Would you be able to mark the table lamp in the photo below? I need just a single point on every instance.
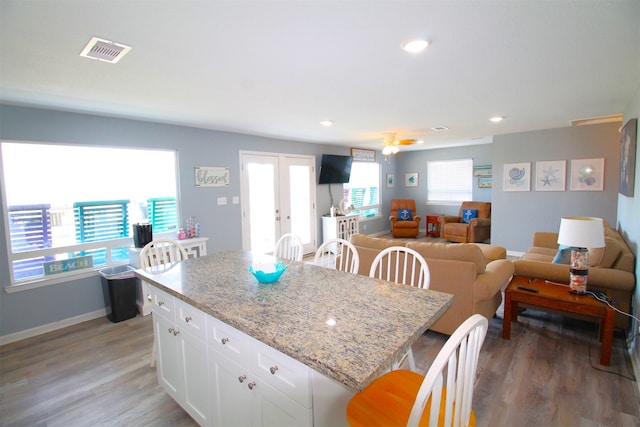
(580, 233)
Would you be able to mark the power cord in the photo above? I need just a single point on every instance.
(601, 296)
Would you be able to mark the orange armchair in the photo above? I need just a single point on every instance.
(455, 229)
(399, 226)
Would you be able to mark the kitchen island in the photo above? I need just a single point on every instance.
(315, 337)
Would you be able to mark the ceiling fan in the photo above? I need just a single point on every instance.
(391, 144)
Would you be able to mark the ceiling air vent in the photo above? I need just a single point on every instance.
(597, 120)
(104, 50)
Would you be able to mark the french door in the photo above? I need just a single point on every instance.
(278, 196)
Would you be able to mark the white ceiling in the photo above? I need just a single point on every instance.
(277, 68)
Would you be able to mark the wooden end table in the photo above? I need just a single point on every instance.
(433, 226)
(557, 296)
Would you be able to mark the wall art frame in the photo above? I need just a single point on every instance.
(211, 176)
(411, 179)
(485, 182)
(628, 144)
(482, 170)
(551, 175)
(517, 176)
(391, 179)
(363, 155)
(587, 174)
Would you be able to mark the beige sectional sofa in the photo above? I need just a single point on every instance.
(611, 268)
(474, 273)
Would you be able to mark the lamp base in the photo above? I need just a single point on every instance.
(578, 271)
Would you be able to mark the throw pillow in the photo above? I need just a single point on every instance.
(468, 215)
(563, 256)
(405, 215)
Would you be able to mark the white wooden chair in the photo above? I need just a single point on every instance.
(402, 265)
(443, 396)
(338, 254)
(289, 246)
(158, 252)
(161, 251)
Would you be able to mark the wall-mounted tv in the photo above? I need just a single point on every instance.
(335, 169)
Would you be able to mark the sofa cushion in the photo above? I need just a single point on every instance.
(610, 254)
(456, 252)
(373, 242)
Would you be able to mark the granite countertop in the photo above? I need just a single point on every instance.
(348, 327)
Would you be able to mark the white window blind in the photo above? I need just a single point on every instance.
(449, 181)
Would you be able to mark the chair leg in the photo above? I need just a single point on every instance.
(406, 358)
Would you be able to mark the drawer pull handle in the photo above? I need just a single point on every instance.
(241, 378)
(149, 298)
(251, 385)
(225, 340)
(273, 369)
(187, 319)
(160, 303)
(175, 332)
(170, 330)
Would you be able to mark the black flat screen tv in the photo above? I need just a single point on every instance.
(335, 169)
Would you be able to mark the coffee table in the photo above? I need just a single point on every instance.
(556, 296)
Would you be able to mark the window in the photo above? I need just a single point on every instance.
(449, 181)
(77, 204)
(363, 189)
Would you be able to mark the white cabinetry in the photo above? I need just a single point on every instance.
(223, 377)
(182, 353)
(254, 385)
(195, 247)
(339, 227)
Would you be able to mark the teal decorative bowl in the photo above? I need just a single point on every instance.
(268, 277)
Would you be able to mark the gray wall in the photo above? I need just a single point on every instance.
(416, 161)
(629, 227)
(517, 215)
(222, 224)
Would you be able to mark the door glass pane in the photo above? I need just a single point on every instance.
(262, 202)
(299, 193)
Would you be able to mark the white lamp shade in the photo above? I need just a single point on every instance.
(581, 232)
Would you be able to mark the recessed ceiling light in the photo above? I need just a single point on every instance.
(415, 46)
(440, 128)
(326, 123)
(496, 119)
(419, 141)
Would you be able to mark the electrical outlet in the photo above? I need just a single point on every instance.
(364, 227)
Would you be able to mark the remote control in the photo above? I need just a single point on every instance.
(526, 288)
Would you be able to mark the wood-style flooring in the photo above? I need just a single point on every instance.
(97, 374)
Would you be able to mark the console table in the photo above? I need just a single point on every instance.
(339, 227)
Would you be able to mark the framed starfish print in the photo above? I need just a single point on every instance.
(551, 175)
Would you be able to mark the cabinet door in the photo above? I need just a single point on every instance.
(231, 403)
(193, 358)
(274, 409)
(169, 373)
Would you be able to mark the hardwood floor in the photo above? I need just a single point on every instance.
(97, 373)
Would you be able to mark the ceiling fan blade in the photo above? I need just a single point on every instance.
(405, 142)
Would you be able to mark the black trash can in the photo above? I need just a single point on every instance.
(119, 290)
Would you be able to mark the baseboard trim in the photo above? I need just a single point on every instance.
(50, 327)
(515, 254)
